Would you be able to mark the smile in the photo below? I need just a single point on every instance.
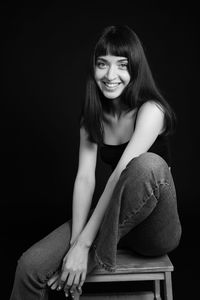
(111, 85)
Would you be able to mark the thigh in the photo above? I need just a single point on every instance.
(45, 256)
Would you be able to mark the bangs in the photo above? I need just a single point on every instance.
(114, 46)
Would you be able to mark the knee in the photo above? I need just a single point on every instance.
(148, 163)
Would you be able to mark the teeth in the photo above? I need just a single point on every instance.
(111, 85)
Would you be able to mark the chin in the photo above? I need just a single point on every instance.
(112, 95)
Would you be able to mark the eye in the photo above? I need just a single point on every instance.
(101, 64)
(123, 66)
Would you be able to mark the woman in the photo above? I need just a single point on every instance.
(126, 118)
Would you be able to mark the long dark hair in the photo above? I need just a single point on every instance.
(121, 41)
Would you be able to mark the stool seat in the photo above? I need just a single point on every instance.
(133, 267)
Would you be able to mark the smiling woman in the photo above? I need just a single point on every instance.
(111, 75)
(124, 116)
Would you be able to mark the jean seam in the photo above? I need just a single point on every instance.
(143, 202)
(100, 263)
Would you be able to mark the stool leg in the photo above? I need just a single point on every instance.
(157, 290)
(168, 286)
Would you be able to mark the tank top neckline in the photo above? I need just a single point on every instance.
(118, 145)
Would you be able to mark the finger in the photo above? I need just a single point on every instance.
(73, 290)
(62, 280)
(76, 295)
(79, 289)
(82, 279)
(52, 279)
(55, 285)
(70, 279)
(66, 291)
(76, 280)
(68, 283)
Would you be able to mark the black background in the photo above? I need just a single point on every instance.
(45, 53)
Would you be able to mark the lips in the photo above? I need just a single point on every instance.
(112, 85)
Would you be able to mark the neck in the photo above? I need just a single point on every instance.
(114, 107)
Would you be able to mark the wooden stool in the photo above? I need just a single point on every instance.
(131, 267)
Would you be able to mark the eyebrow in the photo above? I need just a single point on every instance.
(105, 60)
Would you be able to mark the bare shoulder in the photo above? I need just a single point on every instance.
(151, 114)
(152, 107)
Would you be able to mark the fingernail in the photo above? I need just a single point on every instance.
(66, 295)
(59, 288)
(72, 294)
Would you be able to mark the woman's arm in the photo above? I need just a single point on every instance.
(84, 185)
(82, 198)
(150, 123)
(88, 234)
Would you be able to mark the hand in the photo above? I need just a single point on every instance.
(74, 268)
(53, 283)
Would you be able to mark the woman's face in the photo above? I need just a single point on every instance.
(111, 75)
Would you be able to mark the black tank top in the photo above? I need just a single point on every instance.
(111, 154)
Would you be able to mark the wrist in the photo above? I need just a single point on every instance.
(74, 238)
(83, 242)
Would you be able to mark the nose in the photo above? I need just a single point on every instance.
(111, 73)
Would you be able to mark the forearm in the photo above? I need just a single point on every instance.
(89, 232)
(82, 198)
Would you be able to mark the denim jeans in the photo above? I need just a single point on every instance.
(142, 216)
